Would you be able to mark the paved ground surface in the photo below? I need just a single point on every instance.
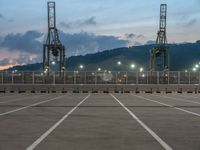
(99, 122)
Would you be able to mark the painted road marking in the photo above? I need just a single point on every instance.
(189, 112)
(156, 137)
(42, 137)
(179, 99)
(32, 105)
(189, 96)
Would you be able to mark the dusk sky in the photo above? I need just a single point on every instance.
(89, 26)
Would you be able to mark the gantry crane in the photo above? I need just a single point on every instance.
(53, 50)
(160, 53)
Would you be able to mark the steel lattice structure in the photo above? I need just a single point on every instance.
(160, 53)
(53, 48)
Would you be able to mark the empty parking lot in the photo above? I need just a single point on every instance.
(99, 121)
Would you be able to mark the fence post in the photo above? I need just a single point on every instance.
(12, 78)
(126, 77)
(189, 77)
(64, 77)
(147, 77)
(85, 77)
(74, 77)
(158, 77)
(168, 77)
(2, 78)
(179, 75)
(95, 80)
(54, 78)
(116, 77)
(23, 77)
(33, 77)
(137, 74)
(45, 78)
(199, 78)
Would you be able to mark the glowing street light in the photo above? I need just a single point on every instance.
(119, 63)
(99, 69)
(14, 71)
(46, 70)
(81, 66)
(132, 66)
(53, 62)
(143, 75)
(194, 69)
(196, 66)
(141, 69)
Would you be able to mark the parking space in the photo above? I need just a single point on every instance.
(100, 121)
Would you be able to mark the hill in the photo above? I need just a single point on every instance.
(182, 56)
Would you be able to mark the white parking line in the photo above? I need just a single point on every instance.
(43, 136)
(32, 105)
(179, 99)
(156, 137)
(189, 112)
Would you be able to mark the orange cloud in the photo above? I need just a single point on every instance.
(6, 67)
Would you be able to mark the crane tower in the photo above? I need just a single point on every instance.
(160, 53)
(53, 50)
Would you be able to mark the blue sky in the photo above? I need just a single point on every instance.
(113, 17)
(113, 20)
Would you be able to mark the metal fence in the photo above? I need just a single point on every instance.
(108, 77)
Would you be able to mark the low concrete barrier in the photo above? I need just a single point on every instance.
(100, 88)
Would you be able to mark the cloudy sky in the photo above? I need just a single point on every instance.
(89, 26)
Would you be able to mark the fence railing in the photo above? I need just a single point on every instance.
(109, 77)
